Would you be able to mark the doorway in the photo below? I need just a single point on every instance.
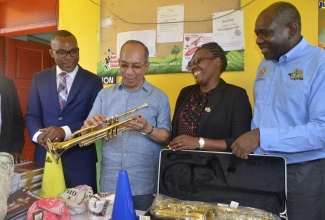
(23, 60)
(25, 27)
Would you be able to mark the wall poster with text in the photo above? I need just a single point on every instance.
(172, 30)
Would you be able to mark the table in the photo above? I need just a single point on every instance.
(87, 216)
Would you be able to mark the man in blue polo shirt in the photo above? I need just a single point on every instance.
(289, 112)
(137, 148)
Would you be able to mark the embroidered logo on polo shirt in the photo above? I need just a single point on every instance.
(297, 74)
(262, 72)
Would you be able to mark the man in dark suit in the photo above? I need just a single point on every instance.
(47, 119)
(12, 123)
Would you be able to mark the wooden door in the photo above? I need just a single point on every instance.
(23, 59)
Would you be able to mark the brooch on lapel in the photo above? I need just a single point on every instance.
(207, 109)
(297, 74)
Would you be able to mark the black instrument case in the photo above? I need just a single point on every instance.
(214, 177)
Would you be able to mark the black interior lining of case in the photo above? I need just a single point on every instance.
(257, 182)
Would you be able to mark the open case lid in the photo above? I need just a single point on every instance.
(258, 182)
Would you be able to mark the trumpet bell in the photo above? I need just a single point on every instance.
(55, 149)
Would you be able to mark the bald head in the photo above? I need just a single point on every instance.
(284, 13)
(136, 42)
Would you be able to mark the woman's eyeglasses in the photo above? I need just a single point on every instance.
(197, 61)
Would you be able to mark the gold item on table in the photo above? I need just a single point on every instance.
(165, 207)
(112, 126)
(243, 213)
(182, 210)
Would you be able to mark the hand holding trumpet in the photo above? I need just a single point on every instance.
(96, 121)
(52, 133)
(138, 123)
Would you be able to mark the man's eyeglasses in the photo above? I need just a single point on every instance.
(135, 67)
(64, 53)
(197, 61)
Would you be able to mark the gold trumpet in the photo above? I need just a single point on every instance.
(112, 126)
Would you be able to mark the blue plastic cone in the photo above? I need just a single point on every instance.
(123, 208)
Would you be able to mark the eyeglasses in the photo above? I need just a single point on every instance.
(64, 53)
(197, 61)
(135, 67)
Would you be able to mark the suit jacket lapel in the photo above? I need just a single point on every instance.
(51, 83)
(212, 104)
(78, 81)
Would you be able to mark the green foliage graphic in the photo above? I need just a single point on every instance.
(173, 63)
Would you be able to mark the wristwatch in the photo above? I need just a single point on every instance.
(201, 142)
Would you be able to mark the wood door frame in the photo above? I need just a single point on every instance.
(25, 17)
(2, 56)
(23, 60)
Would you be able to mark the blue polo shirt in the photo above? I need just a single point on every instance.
(290, 104)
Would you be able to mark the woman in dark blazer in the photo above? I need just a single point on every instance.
(211, 114)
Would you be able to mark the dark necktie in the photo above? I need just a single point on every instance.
(62, 89)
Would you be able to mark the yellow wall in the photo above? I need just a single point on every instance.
(81, 17)
(321, 18)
